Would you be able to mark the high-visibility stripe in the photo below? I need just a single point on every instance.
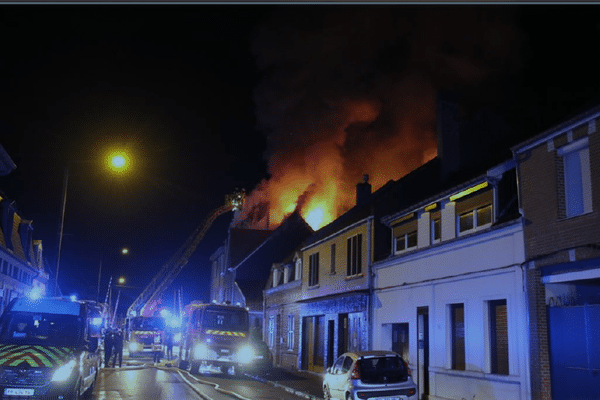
(36, 356)
(225, 333)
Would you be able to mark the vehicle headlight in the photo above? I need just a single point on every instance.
(134, 346)
(200, 351)
(246, 354)
(64, 372)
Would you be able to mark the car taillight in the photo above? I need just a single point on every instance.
(407, 368)
(356, 371)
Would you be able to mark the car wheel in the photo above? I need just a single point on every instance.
(224, 369)
(326, 394)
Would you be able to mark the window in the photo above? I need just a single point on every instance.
(271, 331)
(313, 269)
(290, 272)
(457, 335)
(406, 241)
(436, 230)
(290, 339)
(498, 325)
(354, 255)
(476, 218)
(332, 266)
(576, 178)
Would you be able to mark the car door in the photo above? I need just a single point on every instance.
(336, 382)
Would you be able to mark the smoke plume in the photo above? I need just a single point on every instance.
(347, 91)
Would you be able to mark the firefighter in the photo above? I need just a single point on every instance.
(169, 343)
(118, 347)
(108, 346)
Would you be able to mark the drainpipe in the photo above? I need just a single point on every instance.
(370, 275)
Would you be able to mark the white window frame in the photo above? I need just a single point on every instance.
(271, 331)
(405, 237)
(583, 181)
(291, 327)
(432, 229)
(476, 226)
(354, 255)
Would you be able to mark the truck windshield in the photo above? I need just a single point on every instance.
(233, 320)
(41, 329)
(148, 324)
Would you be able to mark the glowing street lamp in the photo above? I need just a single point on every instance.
(119, 162)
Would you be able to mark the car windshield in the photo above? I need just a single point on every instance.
(389, 369)
(148, 324)
(225, 319)
(41, 329)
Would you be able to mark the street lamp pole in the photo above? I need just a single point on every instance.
(61, 230)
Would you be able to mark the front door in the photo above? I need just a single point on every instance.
(423, 352)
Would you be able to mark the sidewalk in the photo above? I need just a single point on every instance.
(302, 383)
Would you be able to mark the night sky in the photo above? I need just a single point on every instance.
(210, 98)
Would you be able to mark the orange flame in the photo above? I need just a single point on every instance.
(320, 179)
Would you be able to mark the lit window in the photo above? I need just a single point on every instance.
(354, 255)
(498, 325)
(406, 241)
(477, 218)
(577, 180)
(457, 335)
(313, 269)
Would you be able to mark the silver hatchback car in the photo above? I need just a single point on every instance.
(376, 375)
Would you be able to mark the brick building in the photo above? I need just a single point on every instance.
(559, 181)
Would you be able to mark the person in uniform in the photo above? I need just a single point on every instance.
(118, 348)
(169, 343)
(108, 346)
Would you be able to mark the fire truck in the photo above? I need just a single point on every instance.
(145, 327)
(49, 348)
(217, 335)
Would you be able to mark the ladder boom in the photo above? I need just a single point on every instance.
(173, 267)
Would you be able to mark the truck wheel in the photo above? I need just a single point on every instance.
(194, 367)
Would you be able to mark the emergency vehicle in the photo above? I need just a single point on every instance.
(48, 348)
(145, 336)
(217, 335)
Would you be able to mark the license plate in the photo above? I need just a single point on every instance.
(387, 398)
(18, 392)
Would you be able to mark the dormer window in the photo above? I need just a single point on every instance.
(474, 212)
(405, 235)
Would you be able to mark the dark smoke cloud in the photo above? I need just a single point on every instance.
(321, 65)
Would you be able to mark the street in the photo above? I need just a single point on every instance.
(141, 379)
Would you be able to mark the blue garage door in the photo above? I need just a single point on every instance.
(575, 352)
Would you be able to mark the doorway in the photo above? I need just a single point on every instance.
(423, 352)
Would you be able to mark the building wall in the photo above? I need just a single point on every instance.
(540, 180)
(555, 242)
(338, 282)
(471, 270)
(21, 268)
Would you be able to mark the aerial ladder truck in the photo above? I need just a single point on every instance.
(145, 330)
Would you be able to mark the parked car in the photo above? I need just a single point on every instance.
(368, 374)
(263, 359)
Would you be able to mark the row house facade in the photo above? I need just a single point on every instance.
(282, 310)
(336, 300)
(559, 181)
(21, 259)
(450, 297)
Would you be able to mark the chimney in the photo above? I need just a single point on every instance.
(363, 191)
(449, 132)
